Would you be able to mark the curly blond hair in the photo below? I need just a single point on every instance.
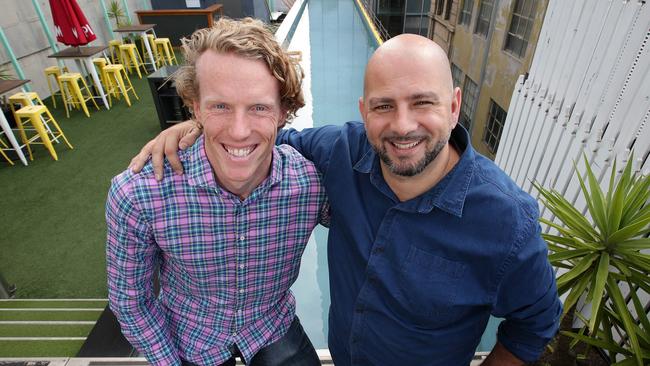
(248, 38)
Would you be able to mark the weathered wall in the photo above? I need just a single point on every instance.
(485, 61)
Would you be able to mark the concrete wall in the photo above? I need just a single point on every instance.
(25, 34)
(493, 69)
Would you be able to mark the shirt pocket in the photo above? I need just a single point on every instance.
(430, 286)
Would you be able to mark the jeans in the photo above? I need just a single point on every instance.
(293, 349)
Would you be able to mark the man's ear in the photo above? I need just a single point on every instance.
(282, 120)
(362, 108)
(456, 98)
(196, 110)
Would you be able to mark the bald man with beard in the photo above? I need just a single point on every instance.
(427, 237)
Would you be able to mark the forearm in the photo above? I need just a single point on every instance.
(143, 324)
(500, 356)
(131, 254)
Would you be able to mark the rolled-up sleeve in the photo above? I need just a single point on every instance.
(131, 253)
(527, 297)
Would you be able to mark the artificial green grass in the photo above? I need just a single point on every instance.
(39, 348)
(18, 304)
(82, 315)
(32, 330)
(52, 239)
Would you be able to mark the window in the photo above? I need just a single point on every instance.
(443, 7)
(456, 74)
(440, 6)
(484, 16)
(520, 27)
(448, 9)
(415, 19)
(492, 133)
(466, 12)
(470, 91)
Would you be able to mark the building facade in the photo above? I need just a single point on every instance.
(489, 43)
(401, 16)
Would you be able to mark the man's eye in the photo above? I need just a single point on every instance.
(383, 107)
(217, 106)
(423, 102)
(260, 108)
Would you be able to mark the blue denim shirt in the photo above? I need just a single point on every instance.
(414, 282)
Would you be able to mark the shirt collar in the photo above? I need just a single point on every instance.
(450, 193)
(199, 171)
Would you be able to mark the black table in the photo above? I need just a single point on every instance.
(169, 105)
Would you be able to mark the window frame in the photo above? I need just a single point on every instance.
(468, 102)
(515, 42)
(494, 127)
(484, 22)
(465, 16)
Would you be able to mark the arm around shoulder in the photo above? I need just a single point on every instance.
(315, 144)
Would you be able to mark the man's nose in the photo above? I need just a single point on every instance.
(404, 122)
(240, 127)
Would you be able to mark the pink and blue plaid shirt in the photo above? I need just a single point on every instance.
(226, 265)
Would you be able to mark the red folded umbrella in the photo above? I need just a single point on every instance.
(72, 27)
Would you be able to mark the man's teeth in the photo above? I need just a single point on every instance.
(405, 146)
(240, 152)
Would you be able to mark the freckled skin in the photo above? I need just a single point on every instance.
(239, 108)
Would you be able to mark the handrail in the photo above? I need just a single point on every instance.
(383, 33)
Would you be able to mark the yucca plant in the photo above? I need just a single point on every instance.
(115, 11)
(600, 255)
(5, 74)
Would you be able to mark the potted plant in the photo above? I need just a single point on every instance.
(599, 254)
(115, 11)
(5, 74)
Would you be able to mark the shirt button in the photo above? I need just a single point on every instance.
(239, 312)
(242, 237)
(241, 291)
(241, 266)
(379, 250)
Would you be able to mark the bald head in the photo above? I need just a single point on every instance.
(420, 54)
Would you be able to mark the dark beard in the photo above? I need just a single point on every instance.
(412, 169)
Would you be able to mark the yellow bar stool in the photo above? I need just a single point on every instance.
(157, 56)
(117, 74)
(152, 47)
(75, 93)
(55, 72)
(4, 146)
(40, 117)
(165, 50)
(131, 57)
(100, 63)
(114, 50)
(24, 99)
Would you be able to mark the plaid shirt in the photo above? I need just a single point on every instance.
(226, 265)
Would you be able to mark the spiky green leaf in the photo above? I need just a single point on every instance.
(597, 342)
(628, 323)
(577, 290)
(567, 254)
(594, 197)
(599, 288)
(580, 269)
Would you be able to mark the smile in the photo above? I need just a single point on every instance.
(405, 146)
(239, 152)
